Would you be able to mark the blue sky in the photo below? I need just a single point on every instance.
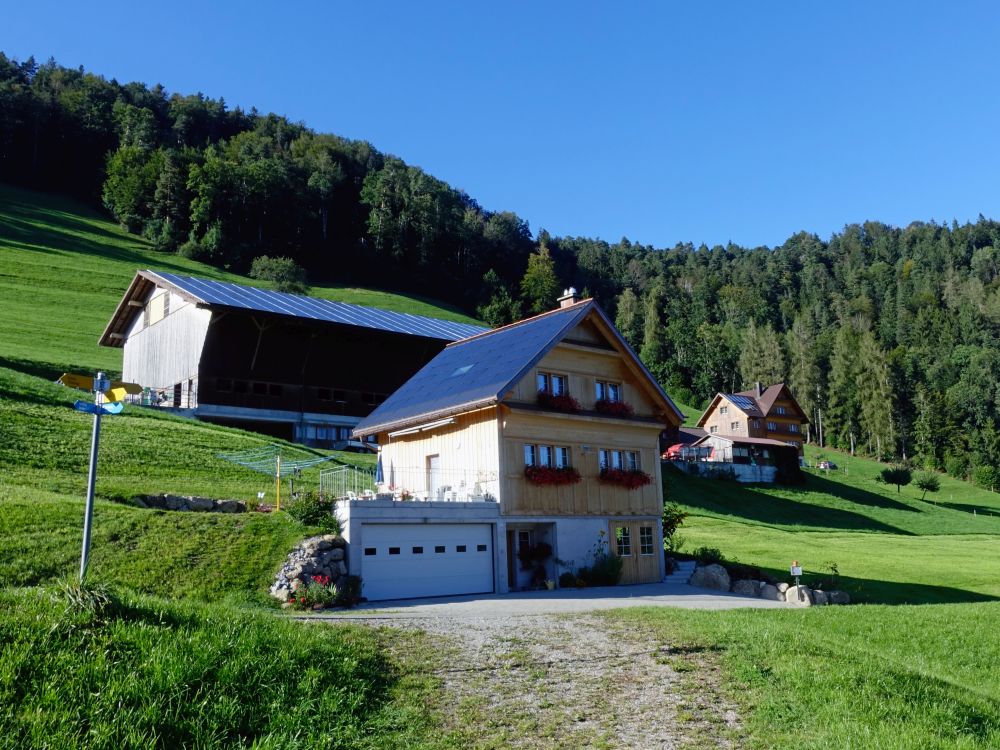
(663, 122)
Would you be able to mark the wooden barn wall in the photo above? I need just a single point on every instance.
(168, 351)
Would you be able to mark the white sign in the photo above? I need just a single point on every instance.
(796, 570)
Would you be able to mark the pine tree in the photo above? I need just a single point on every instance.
(629, 318)
(841, 417)
(761, 358)
(654, 351)
(540, 286)
(875, 396)
(803, 372)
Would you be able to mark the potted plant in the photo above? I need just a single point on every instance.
(628, 478)
(614, 408)
(558, 402)
(551, 475)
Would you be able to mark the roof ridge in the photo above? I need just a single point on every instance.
(517, 323)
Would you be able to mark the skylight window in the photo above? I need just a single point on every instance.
(461, 371)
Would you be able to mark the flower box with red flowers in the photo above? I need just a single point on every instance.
(630, 479)
(560, 402)
(551, 475)
(614, 408)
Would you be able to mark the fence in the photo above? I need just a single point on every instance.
(412, 483)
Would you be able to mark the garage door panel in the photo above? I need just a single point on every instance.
(401, 561)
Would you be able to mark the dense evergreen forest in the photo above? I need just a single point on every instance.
(888, 336)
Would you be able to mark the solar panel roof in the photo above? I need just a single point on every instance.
(744, 402)
(225, 294)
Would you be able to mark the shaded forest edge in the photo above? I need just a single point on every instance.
(887, 335)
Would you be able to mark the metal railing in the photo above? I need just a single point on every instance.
(170, 397)
(412, 483)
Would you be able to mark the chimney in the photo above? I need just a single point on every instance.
(569, 297)
(760, 391)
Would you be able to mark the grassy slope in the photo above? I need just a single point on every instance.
(64, 269)
(890, 547)
(162, 674)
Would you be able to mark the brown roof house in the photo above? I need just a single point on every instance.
(512, 455)
(770, 413)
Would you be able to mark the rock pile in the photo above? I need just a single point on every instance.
(717, 577)
(189, 503)
(316, 556)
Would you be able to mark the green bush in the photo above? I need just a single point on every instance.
(312, 509)
(606, 571)
(287, 275)
(708, 556)
(567, 580)
(986, 477)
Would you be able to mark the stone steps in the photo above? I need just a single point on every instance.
(682, 573)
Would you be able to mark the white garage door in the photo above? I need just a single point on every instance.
(405, 561)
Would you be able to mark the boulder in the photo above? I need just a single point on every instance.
(337, 554)
(745, 588)
(323, 544)
(782, 587)
(341, 569)
(820, 598)
(769, 591)
(711, 577)
(799, 595)
(230, 506)
(839, 597)
(202, 504)
(175, 502)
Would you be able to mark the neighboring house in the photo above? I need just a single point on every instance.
(771, 413)
(479, 450)
(293, 366)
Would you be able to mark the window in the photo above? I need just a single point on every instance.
(418, 550)
(772, 426)
(480, 548)
(546, 455)
(372, 399)
(324, 394)
(460, 548)
(793, 428)
(260, 389)
(611, 459)
(632, 460)
(339, 396)
(551, 383)
(645, 540)
(224, 385)
(525, 540)
(393, 550)
(273, 389)
(723, 410)
(734, 426)
(240, 386)
(439, 549)
(755, 423)
(370, 551)
(623, 541)
(607, 391)
(713, 429)
(780, 410)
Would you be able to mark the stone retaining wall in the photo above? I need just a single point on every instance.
(189, 503)
(717, 577)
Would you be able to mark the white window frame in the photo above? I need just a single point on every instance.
(646, 541)
(549, 456)
(632, 460)
(530, 455)
(793, 428)
(608, 390)
(713, 429)
(626, 535)
(723, 410)
(772, 426)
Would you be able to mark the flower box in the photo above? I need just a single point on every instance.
(551, 475)
(614, 408)
(562, 402)
(625, 478)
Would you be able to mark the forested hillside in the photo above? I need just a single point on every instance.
(887, 335)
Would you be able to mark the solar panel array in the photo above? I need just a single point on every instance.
(225, 294)
(743, 402)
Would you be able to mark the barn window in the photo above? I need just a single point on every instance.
(460, 548)
(393, 550)
(480, 548)
(274, 389)
(439, 549)
(240, 386)
(324, 394)
(418, 550)
(370, 551)
(224, 384)
(260, 389)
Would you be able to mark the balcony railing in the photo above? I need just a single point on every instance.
(411, 483)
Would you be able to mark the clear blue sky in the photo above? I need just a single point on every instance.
(663, 122)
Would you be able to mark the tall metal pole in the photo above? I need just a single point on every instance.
(277, 476)
(91, 478)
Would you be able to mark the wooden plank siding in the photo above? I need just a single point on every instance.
(169, 350)
(584, 436)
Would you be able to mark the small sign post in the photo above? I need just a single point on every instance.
(100, 386)
(796, 573)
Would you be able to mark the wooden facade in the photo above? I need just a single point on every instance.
(772, 413)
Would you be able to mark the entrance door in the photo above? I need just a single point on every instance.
(635, 543)
(433, 477)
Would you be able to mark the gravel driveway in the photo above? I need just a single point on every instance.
(547, 670)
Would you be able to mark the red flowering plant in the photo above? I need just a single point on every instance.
(558, 402)
(614, 408)
(319, 591)
(629, 478)
(551, 475)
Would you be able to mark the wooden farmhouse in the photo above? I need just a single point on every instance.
(770, 413)
(293, 366)
(511, 456)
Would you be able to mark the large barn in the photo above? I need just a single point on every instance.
(293, 366)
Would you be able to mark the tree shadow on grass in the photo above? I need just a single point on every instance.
(852, 494)
(982, 510)
(730, 499)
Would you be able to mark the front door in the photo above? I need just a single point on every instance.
(434, 477)
(635, 543)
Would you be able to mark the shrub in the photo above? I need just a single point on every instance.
(567, 580)
(897, 475)
(928, 481)
(985, 477)
(287, 275)
(672, 518)
(312, 509)
(708, 556)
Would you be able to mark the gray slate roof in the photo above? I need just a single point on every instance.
(225, 294)
(477, 371)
